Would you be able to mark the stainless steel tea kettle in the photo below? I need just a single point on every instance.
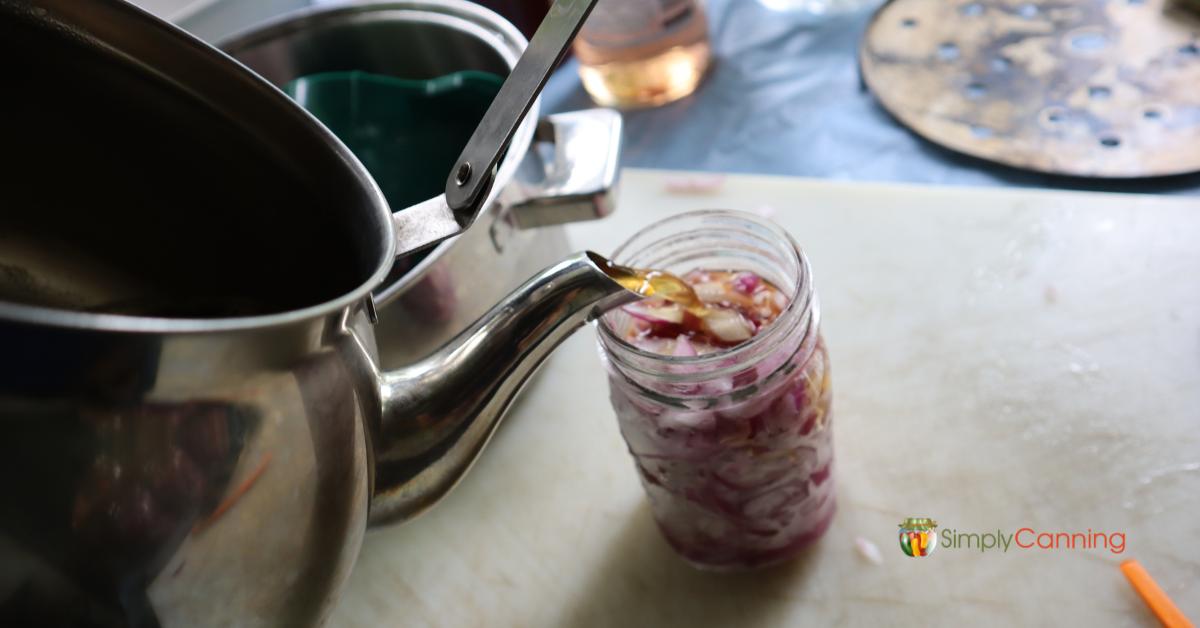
(193, 428)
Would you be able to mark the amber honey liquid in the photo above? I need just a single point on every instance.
(658, 283)
(640, 53)
(703, 311)
(663, 78)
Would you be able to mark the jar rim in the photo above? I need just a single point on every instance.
(801, 297)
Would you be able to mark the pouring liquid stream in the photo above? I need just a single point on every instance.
(705, 310)
(661, 284)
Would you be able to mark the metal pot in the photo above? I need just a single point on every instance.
(558, 169)
(194, 429)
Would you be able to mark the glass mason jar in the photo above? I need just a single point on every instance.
(643, 53)
(734, 448)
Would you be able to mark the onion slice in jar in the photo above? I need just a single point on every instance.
(651, 313)
(709, 291)
(684, 348)
(728, 326)
(746, 283)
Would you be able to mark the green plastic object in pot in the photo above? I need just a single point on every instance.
(408, 133)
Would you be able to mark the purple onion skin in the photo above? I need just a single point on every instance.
(749, 486)
(746, 283)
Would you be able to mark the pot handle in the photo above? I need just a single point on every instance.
(573, 163)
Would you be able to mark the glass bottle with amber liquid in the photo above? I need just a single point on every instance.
(641, 53)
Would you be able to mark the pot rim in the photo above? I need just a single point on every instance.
(215, 63)
(473, 19)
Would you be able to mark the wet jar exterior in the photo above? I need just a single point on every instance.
(734, 448)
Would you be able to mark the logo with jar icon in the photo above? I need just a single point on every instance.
(918, 536)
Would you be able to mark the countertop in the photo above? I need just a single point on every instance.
(1002, 358)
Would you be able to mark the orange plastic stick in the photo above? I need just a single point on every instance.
(234, 496)
(1154, 596)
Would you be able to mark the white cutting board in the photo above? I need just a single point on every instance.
(1002, 359)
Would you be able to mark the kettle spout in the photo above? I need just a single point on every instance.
(440, 412)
